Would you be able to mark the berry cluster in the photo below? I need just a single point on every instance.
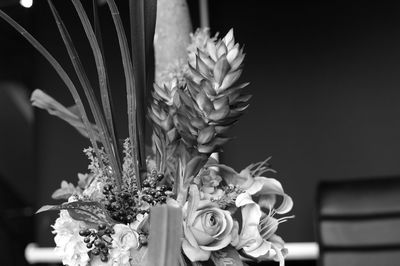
(153, 194)
(122, 205)
(98, 241)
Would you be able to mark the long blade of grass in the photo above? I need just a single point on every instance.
(150, 10)
(60, 71)
(130, 88)
(137, 27)
(83, 79)
(109, 112)
(110, 146)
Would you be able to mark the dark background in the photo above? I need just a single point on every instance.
(326, 97)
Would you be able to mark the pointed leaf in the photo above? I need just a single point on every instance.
(229, 37)
(233, 53)
(221, 68)
(203, 102)
(207, 87)
(219, 114)
(46, 208)
(206, 135)
(212, 50)
(194, 166)
(221, 102)
(221, 49)
(235, 64)
(202, 68)
(213, 146)
(229, 79)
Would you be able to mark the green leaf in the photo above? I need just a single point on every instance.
(226, 256)
(229, 79)
(212, 146)
(86, 211)
(109, 144)
(165, 236)
(108, 105)
(131, 88)
(206, 135)
(204, 102)
(194, 165)
(220, 69)
(83, 79)
(219, 114)
(142, 25)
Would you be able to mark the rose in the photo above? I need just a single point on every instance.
(206, 227)
(125, 241)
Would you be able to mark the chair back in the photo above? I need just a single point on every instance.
(358, 222)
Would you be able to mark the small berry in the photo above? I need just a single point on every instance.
(147, 198)
(102, 226)
(89, 245)
(95, 251)
(104, 251)
(152, 191)
(103, 258)
(98, 242)
(146, 183)
(86, 239)
(160, 177)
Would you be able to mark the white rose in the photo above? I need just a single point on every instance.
(125, 241)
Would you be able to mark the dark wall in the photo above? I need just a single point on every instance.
(325, 84)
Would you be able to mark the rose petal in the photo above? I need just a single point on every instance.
(194, 254)
(189, 236)
(201, 237)
(217, 245)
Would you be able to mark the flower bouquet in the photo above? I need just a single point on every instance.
(175, 205)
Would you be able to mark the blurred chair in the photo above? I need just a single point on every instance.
(358, 222)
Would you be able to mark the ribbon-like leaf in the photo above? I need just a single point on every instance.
(86, 211)
(109, 144)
